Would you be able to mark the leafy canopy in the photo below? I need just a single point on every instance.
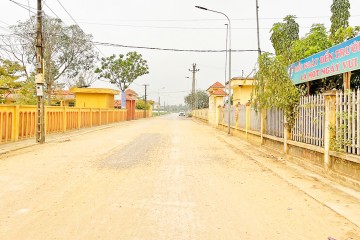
(274, 88)
(123, 70)
(315, 41)
(68, 51)
(283, 34)
(340, 10)
(200, 99)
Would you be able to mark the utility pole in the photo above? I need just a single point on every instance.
(145, 85)
(194, 71)
(257, 24)
(39, 79)
(226, 51)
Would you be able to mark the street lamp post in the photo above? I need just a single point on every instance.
(226, 52)
(229, 87)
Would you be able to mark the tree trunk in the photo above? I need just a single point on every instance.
(49, 94)
(123, 100)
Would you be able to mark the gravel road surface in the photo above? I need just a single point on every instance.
(164, 178)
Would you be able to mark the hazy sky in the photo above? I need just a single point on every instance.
(179, 25)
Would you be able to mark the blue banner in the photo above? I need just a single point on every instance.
(341, 58)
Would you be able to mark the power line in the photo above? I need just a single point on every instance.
(218, 19)
(51, 10)
(172, 27)
(78, 25)
(5, 23)
(170, 49)
(24, 6)
(185, 91)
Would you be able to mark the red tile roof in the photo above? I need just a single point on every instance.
(130, 91)
(217, 85)
(219, 92)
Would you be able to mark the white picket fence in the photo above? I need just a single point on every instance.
(310, 122)
(242, 116)
(348, 122)
(255, 120)
(309, 126)
(275, 122)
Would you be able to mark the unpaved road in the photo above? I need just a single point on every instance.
(158, 179)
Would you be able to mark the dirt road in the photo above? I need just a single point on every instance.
(158, 179)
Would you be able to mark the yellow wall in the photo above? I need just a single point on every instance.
(94, 100)
(242, 94)
(94, 97)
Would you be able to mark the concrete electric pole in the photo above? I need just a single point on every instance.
(194, 71)
(145, 85)
(257, 27)
(39, 80)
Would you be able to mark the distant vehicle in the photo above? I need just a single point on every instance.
(181, 114)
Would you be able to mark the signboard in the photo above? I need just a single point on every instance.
(344, 57)
(39, 90)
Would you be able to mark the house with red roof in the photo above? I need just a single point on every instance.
(216, 100)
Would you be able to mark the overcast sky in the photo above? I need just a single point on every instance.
(179, 25)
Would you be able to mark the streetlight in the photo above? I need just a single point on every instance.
(229, 89)
(226, 53)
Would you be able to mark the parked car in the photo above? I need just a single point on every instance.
(181, 113)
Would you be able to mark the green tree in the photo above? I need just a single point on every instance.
(67, 50)
(123, 70)
(283, 35)
(343, 34)
(27, 92)
(340, 10)
(200, 99)
(10, 72)
(315, 41)
(140, 104)
(274, 88)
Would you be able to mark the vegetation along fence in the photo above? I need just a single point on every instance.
(19, 122)
(325, 134)
(309, 126)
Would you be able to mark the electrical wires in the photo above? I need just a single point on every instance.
(171, 49)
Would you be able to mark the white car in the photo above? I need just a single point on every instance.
(181, 114)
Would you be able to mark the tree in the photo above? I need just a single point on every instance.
(123, 70)
(140, 104)
(10, 72)
(283, 35)
(67, 50)
(274, 88)
(84, 79)
(315, 41)
(343, 34)
(201, 100)
(27, 92)
(340, 10)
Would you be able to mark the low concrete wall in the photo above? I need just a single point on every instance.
(345, 168)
